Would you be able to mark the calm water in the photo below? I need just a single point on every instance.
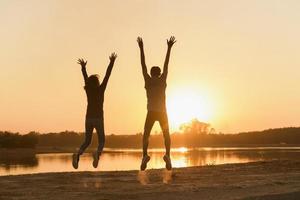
(130, 159)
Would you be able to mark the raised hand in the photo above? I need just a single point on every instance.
(140, 42)
(113, 57)
(81, 62)
(171, 41)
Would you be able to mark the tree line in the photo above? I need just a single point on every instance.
(193, 134)
(16, 140)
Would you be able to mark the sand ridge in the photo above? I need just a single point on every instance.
(258, 180)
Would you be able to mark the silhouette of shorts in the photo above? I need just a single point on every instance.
(153, 116)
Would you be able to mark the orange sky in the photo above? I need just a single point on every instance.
(235, 65)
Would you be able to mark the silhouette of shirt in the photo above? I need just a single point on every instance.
(156, 94)
(95, 98)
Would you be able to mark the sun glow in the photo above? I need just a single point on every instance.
(182, 149)
(185, 105)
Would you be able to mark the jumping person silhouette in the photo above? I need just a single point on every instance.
(155, 86)
(94, 114)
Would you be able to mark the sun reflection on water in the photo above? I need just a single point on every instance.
(131, 159)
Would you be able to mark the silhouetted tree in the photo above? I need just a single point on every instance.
(195, 127)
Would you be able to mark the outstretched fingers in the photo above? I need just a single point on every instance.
(81, 62)
(171, 41)
(113, 56)
(140, 41)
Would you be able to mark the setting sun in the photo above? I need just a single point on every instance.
(185, 105)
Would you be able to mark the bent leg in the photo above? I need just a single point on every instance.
(164, 124)
(147, 129)
(88, 136)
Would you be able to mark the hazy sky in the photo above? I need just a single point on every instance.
(236, 63)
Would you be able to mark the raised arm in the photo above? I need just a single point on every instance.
(112, 59)
(170, 43)
(143, 62)
(83, 69)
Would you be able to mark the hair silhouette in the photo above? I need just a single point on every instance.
(155, 71)
(93, 82)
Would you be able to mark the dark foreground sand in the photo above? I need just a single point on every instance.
(260, 180)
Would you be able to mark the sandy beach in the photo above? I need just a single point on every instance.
(258, 180)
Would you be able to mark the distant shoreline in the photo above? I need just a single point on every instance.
(42, 150)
